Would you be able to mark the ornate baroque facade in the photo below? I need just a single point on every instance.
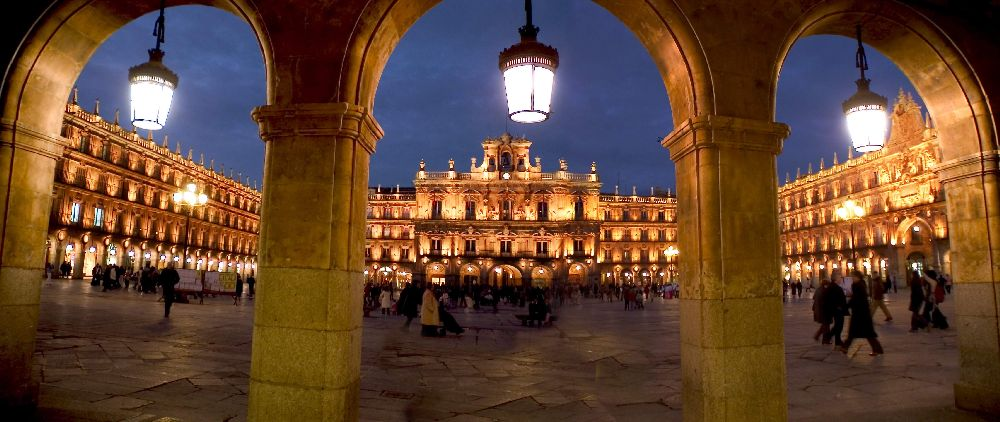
(112, 203)
(508, 222)
(904, 226)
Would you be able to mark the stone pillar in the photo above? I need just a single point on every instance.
(973, 200)
(27, 169)
(732, 345)
(306, 358)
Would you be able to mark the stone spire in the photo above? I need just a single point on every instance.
(835, 162)
(76, 96)
(178, 150)
(202, 159)
(633, 190)
(97, 107)
(190, 154)
(212, 165)
(116, 117)
(821, 164)
(165, 144)
(850, 154)
(786, 178)
(798, 173)
(810, 170)
(149, 136)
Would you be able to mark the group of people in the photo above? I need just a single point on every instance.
(864, 297)
(927, 292)
(435, 320)
(831, 303)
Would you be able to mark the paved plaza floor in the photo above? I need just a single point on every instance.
(113, 357)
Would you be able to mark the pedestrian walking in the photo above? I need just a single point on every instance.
(835, 305)
(861, 325)
(168, 278)
(238, 296)
(917, 302)
(878, 298)
(820, 313)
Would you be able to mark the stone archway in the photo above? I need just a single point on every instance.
(947, 79)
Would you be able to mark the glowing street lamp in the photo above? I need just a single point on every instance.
(865, 110)
(152, 85)
(192, 198)
(851, 211)
(528, 69)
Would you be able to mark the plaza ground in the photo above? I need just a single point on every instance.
(111, 356)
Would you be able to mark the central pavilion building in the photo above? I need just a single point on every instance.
(508, 222)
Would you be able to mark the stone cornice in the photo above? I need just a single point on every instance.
(712, 131)
(969, 166)
(18, 136)
(333, 120)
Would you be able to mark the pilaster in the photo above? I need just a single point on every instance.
(306, 357)
(27, 169)
(973, 200)
(732, 346)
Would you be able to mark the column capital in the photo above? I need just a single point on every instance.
(331, 120)
(16, 135)
(969, 166)
(713, 131)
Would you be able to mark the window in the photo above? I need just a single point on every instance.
(607, 255)
(74, 214)
(661, 215)
(607, 234)
(385, 253)
(386, 231)
(607, 215)
(436, 207)
(644, 235)
(505, 246)
(543, 211)
(368, 251)
(578, 213)
(542, 248)
(470, 210)
(661, 235)
(436, 246)
(470, 245)
(505, 161)
(507, 209)
(98, 217)
(404, 253)
(577, 247)
(626, 256)
(644, 215)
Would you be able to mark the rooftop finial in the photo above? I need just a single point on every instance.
(202, 159)
(810, 170)
(97, 107)
(787, 178)
(178, 150)
(835, 162)
(190, 154)
(798, 173)
(821, 164)
(76, 96)
(116, 117)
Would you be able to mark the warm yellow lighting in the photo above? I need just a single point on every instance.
(528, 69)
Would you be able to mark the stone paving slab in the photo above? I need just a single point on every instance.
(111, 356)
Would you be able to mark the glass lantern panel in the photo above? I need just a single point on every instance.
(867, 127)
(151, 99)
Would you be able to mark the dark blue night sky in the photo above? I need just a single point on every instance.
(441, 93)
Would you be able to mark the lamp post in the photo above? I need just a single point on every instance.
(671, 253)
(152, 84)
(528, 69)
(190, 197)
(865, 111)
(851, 211)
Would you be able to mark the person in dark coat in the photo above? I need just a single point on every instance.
(820, 314)
(917, 299)
(835, 306)
(861, 325)
(409, 303)
(168, 278)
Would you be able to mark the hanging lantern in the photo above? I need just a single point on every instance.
(152, 85)
(865, 111)
(528, 69)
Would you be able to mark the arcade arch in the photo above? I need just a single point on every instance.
(504, 275)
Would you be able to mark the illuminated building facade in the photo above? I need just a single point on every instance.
(506, 222)
(112, 203)
(903, 226)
